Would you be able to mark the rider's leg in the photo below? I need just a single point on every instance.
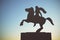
(41, 14)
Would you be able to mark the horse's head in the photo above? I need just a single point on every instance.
(29, 9)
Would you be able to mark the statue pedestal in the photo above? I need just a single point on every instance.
(36, 36)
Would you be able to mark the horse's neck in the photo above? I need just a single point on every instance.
(31, 13)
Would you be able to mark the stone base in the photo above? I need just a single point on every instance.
(36, 36)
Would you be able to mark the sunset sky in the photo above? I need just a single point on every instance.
(13, 12)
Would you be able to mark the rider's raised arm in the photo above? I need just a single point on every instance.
(42, 10)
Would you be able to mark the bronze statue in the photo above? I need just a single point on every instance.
(36, 19)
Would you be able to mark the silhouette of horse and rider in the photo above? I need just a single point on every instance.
(36, 18)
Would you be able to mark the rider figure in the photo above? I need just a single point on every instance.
(37, 11)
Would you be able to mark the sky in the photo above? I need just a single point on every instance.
(13, 12)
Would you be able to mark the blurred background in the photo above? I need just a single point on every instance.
(13, 12)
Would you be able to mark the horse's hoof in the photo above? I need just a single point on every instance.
(37, 31)
(21, 24)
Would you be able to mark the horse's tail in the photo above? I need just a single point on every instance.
(50, 20)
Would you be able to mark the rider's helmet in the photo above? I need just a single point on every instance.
(36, 6)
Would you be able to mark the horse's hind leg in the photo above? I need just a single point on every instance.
(39, 29)
(34, 24)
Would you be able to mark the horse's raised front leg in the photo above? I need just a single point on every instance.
(23, 21)
(39, 29)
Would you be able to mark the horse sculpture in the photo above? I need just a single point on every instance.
(35, 19)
